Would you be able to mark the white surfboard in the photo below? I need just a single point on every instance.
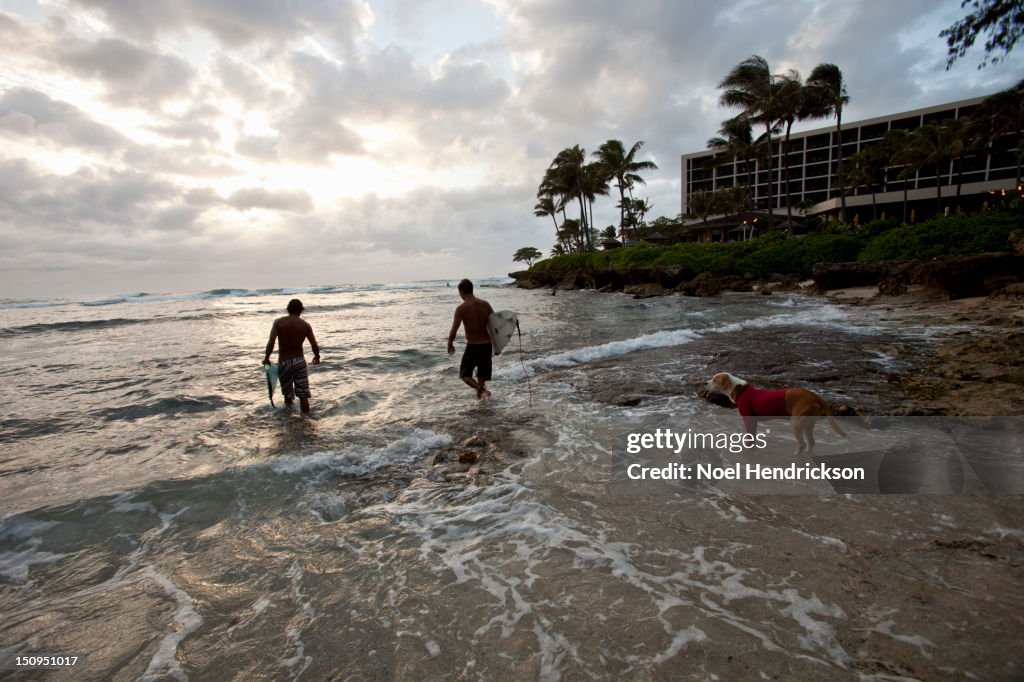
(271, 373)
(501, 326)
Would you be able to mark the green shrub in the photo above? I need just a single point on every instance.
(953, 235)
(777, 253)
(877, 227)
(798, 256)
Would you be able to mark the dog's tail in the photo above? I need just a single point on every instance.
(831, 418)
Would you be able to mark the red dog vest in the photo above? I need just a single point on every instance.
(754, 402)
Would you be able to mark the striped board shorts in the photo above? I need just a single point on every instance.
(294, 378)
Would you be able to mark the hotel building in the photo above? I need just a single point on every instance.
(813, 158)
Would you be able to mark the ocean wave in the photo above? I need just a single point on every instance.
(822, 315)
(163, 407)
(397, 360)
(811, 317)
(661, 339)
(103, 301)
(239, 292)
(359, 460)
(75, 326)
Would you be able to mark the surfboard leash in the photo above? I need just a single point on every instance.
(529, 384)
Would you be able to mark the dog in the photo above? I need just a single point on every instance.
(803, 407)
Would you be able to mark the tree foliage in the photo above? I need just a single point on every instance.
(1002, 20)
(527, 255)
(776, 253)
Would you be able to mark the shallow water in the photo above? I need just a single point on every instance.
(161, 519)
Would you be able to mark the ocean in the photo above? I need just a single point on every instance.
(159, 519)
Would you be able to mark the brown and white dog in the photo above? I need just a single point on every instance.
(803, 407)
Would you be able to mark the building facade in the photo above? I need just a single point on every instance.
(813, 169)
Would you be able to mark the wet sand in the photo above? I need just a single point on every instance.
(892, 586)
(974, 368)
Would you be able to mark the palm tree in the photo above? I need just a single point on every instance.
(551, 186)
(1002, 114)
(736, 140)
(930, 145)
(961, 136)
(793, 106)
(567, 177)
(733, 199)
(703, 205)
(639, 209)
(896, 144)
(594, 183)
(546, 207)
(828, 97)
(867, 169)
(571, 235)
(622, 166)
(751, 86)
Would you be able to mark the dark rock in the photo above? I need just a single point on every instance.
(964, 276)
(704, 284)
(469, 457)
(1015, 290)
(830, 276)
(891, 286)
(648, 290)
(1016, 241)
(474, 441)
(734, 283)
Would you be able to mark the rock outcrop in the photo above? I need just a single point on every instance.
(954, 276)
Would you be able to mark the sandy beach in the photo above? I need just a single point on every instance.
(168, 529)
(912, 587)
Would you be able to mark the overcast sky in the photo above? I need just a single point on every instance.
(184, 145)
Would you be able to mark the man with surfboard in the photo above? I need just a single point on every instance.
(291, 363)
(473, 314)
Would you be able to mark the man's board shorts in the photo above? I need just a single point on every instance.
(294, 378)
(477, 355)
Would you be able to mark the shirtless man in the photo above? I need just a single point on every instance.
(291, 363)
(473, 313)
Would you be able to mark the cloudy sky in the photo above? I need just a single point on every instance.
(183, 145)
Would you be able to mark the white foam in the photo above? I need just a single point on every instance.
(922, 643)
(1003, 533)
(15, 565)
(359, 460)
(186, 621)
(812, 317)
(301, 600)
(661, 339)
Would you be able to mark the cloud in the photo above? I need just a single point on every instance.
(131, 75)
(241, 80)
(262, 147)
(245, 199)
(237, 24)
(455, 107)
(30, 113)
(311, 134)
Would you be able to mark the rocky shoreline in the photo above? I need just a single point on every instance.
(977, 370)
(954, 276)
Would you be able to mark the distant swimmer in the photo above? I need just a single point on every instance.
(473, 314)
(291, 363)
